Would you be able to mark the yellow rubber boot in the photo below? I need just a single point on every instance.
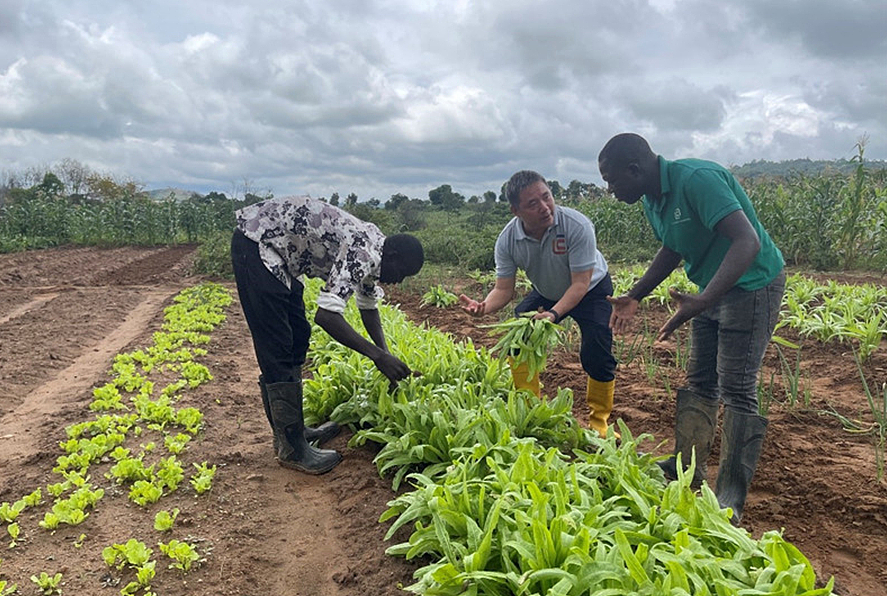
(599, 396)
(520, 374)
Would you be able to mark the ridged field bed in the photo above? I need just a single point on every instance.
(479, 489)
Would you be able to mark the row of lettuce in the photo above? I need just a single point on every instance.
(504, 493)
(137, 441)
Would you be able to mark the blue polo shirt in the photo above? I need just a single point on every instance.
(568, 245)
(696, 195)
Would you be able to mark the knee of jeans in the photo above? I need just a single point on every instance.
(703, 385)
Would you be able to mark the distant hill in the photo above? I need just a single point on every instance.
(180, 194)
(761, 168)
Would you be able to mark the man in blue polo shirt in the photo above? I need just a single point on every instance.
(703, 217)
(557, 249)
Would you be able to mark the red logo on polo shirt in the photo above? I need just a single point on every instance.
(559, 246)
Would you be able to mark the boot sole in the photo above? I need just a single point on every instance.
(313, 471)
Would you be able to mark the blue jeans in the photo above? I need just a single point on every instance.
(592, 314)
(728, 342)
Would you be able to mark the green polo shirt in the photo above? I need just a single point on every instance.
(696, 195)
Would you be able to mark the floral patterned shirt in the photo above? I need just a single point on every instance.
(305, 236)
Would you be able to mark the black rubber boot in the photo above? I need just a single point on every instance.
(294, 451)
(696, 420)
(320, 435)
(267, 406)
(741, 439)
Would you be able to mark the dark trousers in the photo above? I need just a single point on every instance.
(275, 315)
(728, 344)
(592, 314)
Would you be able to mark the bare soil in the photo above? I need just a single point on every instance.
(65, 313)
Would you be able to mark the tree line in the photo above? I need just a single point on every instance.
(831, 219)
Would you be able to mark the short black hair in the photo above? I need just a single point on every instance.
(624, 149)
(518, 182)
(410, 254)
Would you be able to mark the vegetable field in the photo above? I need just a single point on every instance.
(74, 320)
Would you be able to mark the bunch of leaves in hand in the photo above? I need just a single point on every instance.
(438, 296)
(526, 340)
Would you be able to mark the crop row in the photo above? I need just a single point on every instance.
(509, 495)
(826, 311)
(136, 440)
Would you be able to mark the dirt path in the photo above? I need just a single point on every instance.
(24, 308)
(65, 313)
(68, 386)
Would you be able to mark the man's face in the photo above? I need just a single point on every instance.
(536, 208)
(623, 183)
(390, 270)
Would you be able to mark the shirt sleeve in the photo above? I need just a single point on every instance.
(351, 273)
(505, 265)
(352, 265)
(365, 302)
(334, 303)
(714, 199)
(330, 302)
(583, 247)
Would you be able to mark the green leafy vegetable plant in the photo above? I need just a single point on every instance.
(34, 498)
(135, 555)
(164, 520)
(5, 587)
(170, 472)
(438, 296)
(144, 492)
(133, 552)
(48, 584)
(202, 481)
(9, 512)
(176, 444)
(13, 530)
(184, 555)
(190, 418)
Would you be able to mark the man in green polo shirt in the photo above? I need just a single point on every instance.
(703, 217)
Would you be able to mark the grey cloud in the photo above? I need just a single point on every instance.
(851, 98)
(10, 21)
(47, 95)
(673, 104)
(380, 97)
(843, 30)
(550, 46)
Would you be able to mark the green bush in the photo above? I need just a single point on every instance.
(214, 256)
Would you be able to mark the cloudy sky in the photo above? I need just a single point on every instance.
(378, 97)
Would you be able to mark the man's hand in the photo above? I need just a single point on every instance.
(541, 313)
(689, 305)
(624, 308)
(471, 306)
(392, 367)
